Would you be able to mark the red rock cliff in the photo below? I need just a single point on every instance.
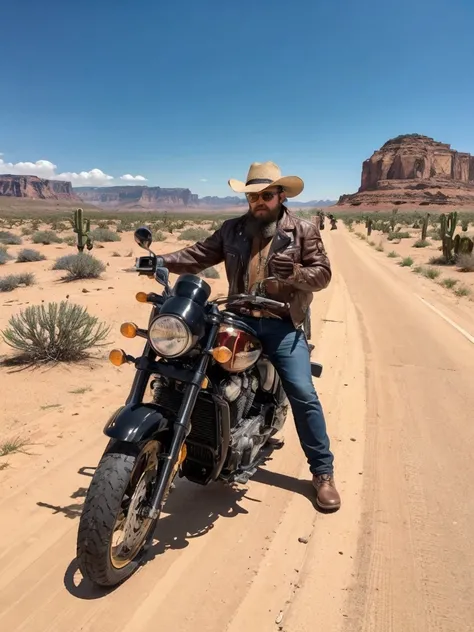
(35, 188)
(137, 197)
(415, 169)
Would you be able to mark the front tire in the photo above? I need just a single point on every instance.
(122, 482)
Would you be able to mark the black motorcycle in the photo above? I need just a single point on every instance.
(215, 402)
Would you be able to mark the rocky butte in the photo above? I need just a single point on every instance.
(36, 188)
(416, 170)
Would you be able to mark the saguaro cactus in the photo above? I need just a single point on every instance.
(369, 224)
(82, 229)
(424, 228)
(448, 226)
(463, 245)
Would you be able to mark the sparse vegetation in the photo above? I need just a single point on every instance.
(194, 234)
(431, 273)
(406, 262)
(29, 255)
(52, 332)
(448, 283)
(462, 290)
(398, 235)
(104, 235)
(159, 236)
(392, 254)
(4, 255)
(80, 266)
(9, 239)
(13, 281)
(465, 263)
(379, 247)
(45, 237)
(11, 446)
(421, 243)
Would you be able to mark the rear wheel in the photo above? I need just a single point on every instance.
(112, 531)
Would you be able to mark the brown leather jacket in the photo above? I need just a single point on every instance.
(297, 238)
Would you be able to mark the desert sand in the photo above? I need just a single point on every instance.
(397, 390)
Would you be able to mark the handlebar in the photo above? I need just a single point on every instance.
(249, 298)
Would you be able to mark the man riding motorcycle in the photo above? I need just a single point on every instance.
(269, 241)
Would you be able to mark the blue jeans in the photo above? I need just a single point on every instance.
(287, 349)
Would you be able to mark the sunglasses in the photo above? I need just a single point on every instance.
(266, 196)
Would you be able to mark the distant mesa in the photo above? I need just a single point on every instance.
(36, 188)
(416, 170)
(125, 197)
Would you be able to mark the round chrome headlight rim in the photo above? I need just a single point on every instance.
(171, 347)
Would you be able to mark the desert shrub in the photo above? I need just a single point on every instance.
(371, 242)
(216, 224)
(6, 237)
(421, 243)
(448, 282)
(80, 266)
(29, 254)
(210, 273)
(392, 254)
(12, 281)
(431, 273)
(159, 236)
(104, 235)
(58, 226)
(406, 262)
(438, 261)
(194, 234)
(434, 234)
(54, 332)
(462, 290)
(45, 237)
(26, 231)
(4, 255)
(379, 247)
(465, 263)
(71, 240)
(398, 235)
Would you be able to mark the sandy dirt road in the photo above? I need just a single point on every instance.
(398, 392)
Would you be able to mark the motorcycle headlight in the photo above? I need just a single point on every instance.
(170, 336)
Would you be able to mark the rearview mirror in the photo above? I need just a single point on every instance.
(143, 237)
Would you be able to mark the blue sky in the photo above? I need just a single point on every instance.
(190, 93)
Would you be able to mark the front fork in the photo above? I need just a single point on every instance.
(181, 428)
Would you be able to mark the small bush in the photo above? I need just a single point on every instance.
(448, 283)
(431, 273)
(159, 236)
(210, 273)
(80, 266)
(371, 242)
(379, 247)
(71, 240)
(465, 263)
(392, 254)
(194, 234)
(6, 237)
(54, 332)
(12, 281)
(25, 231)
(419, 270)
(29, 254)
(45, 237)
(104, 235)
(421, 243)
(438, 261)
(4, 255)
(406, 262)
(462, 290)
(398, 235)
(434, 235)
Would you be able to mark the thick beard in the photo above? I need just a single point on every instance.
(260, 227)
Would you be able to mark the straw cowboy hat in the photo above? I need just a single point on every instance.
(262, 175)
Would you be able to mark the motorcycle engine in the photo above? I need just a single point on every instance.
(239, 391)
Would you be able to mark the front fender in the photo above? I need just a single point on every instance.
(136, 422)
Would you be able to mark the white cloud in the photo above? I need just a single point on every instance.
(46, 169)
(129, 178)
(203, 179)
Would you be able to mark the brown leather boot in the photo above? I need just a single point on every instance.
(327, 495)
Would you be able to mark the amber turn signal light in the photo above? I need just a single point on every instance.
(221, 354)
(205, 383)
(129, 330)
(117, 357)
(141, 297)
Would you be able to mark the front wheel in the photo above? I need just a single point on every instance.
(112, 532)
